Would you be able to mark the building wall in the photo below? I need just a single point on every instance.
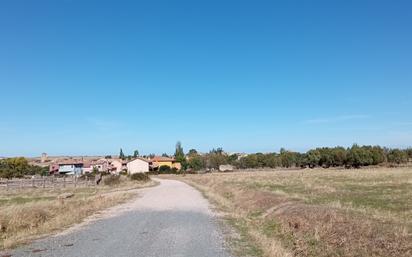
(165, 163)
(100, 167)
(172, 165)
(71, 169)
(137, 166)
(118, 165)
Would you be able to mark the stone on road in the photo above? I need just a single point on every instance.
(171, 219)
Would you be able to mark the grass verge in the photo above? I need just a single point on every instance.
(26, 214)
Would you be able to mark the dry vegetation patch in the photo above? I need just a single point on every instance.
(317, 212)
(28, 213)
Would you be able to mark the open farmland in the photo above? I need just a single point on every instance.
(319, 212)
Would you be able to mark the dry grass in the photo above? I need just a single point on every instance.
(316, 212)
(29, 213)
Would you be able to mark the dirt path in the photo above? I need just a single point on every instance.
(171, 219)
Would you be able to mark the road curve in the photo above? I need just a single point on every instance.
(171, 219)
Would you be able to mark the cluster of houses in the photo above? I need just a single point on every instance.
(113, 166)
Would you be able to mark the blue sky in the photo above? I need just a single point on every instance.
(89, 77)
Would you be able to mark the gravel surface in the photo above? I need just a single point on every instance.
(171, 219)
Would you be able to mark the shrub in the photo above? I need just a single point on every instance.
(164, 169)
(139, 177)
(111, 180)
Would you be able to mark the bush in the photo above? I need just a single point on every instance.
(164, 169)
(111, 180)
(140, 177)
(397, 156)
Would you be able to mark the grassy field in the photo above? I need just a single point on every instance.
(315, 212)
(26, 214)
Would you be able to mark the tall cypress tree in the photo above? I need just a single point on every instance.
(180, 155)
(121, 155)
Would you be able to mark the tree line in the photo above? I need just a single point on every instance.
(352, 157)
(326, 157)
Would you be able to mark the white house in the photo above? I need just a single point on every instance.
(138, 165)
(71, 167)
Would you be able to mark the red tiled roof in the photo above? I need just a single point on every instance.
(70, 162)
(140, 158)
(100, 162)
(162, 159)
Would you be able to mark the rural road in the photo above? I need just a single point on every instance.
(172, 219)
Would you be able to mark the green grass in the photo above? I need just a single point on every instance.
(243, 245)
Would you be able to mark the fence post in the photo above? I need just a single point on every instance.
(64, 181)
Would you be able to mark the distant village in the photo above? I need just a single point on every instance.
(84, 165)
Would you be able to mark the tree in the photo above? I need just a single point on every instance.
(180, 155)
(196, 162)
(121, 155)
(313, 158)
(18, 167)
(326, 157)
(215, 158)
(397, 156)
(409, 152)
(339, 156)
(288, 159)
(378, 155)
(135, 153)
(359, 156)
(192, 152)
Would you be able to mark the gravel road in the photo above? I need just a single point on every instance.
(171, 219)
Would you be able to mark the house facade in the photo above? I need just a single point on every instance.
(71, 168)
(138, 165)
(159, 161)
(101, 165)
(118, 165)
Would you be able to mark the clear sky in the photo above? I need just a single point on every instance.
(88, 77)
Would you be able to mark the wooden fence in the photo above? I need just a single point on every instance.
(46, 182)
